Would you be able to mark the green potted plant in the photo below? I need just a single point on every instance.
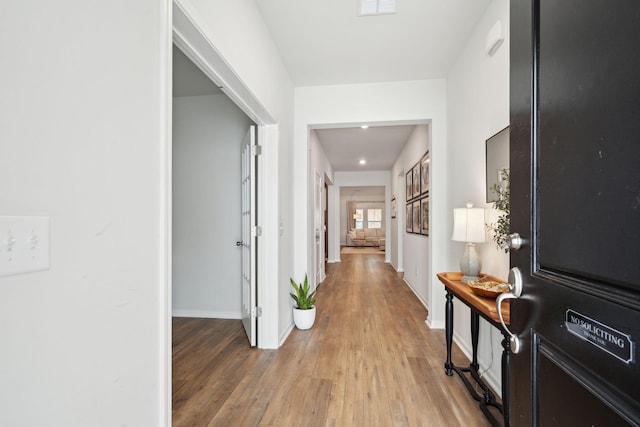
(500, 229)
(304, 313)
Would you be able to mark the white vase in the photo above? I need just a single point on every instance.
(304, 318)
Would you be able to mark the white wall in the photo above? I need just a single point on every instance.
(88, 341)
(207, 139)
(477, 107)
(417, 249)
(320, 165)
(383, 103)
(81, 135)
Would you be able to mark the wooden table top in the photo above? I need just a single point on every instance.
(487, 306)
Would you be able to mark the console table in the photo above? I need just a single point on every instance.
(485, 307)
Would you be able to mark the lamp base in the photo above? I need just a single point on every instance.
(470, 263)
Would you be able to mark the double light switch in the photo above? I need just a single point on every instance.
(24, 244)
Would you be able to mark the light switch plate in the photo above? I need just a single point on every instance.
(24, 244)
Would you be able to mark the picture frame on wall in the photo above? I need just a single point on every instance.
(497, 160)
(424, 174)
(416, 216)
(409, 218)
(409, 180)
(416, 180)
(424, 216)
(394, 207)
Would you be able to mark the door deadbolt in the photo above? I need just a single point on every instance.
(516, 241)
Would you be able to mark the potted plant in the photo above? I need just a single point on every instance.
(304, 313)
(500, 229)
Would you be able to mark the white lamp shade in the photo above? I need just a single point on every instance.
(468, 225)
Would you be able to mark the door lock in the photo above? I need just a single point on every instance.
(515, 290)
(239, 243)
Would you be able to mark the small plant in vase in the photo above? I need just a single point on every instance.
(304, 313)
(500, 229)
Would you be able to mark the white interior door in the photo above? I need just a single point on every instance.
(250, 234)
(318, 224)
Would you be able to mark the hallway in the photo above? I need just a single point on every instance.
(369, 360)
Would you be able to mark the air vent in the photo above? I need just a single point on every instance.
(376, 7)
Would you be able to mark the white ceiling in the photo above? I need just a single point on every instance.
(378, 145)
(360, 192)
(325, 42)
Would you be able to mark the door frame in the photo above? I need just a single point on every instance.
(319, 232)
(179, 27)
(189, 37)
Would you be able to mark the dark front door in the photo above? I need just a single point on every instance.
(575, 198)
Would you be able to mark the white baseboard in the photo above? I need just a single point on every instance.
(416, 294)
(206, 314)
(488, 376)
(434, 325)
(285, 334)
(398, 270)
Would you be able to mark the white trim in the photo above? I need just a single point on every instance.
(268, 255)
(398, 270)
(207, 314)
(487, 373)
(434, 325)
(415, 293)
(192, 40)
(165, 205)
(286, 333)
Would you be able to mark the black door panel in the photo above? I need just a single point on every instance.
(575, 197)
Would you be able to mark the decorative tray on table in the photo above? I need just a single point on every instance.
(488, 288)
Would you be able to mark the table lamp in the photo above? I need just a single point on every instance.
(469, 227)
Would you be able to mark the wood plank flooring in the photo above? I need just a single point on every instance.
(369, 360)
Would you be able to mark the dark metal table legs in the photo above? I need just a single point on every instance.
(448, 307)
(487, 398)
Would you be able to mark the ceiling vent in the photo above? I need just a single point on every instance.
(376, 7)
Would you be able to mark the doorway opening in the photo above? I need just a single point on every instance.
(208, 132)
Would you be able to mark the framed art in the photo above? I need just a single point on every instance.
(424, 216)
(394, 207)
(424, 174)
(416, 216)
(497, 160)
(409, 219)
(409, 179)
(416, 180)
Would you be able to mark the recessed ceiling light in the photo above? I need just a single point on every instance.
(364, 126)
(376, 7)
(363, 161)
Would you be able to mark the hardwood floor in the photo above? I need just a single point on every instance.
(369, 360)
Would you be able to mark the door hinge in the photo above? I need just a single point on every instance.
(256, 150)
(256, 231)
(256, 312)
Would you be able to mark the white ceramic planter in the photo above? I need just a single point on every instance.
(304, 318)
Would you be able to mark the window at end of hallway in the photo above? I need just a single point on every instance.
(374, 218)
(359, 218)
